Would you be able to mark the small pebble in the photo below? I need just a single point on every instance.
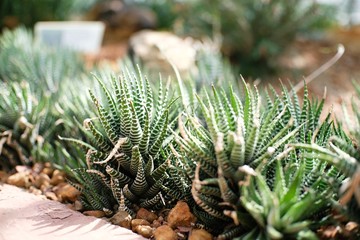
(3, 176)
(137, 222)
(57, 177)
(95, 213)
(144, 230)
(38, 167)
(66, 193)
(156, 224)
(143, 213)
(200, 234)
(51, 196)
(351, 226)
(35, 191)
(180, 215)
(70, 206)
(48, 171)
(121, 218)
(165, 232)
(78, 205)
(20, 179)
(41, 179)
(45, 187)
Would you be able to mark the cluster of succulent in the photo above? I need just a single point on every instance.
(127, 141)
(38, 100)
(343, 153)
(249, 165)
(241, 152)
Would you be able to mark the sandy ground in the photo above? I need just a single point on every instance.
(26, 216)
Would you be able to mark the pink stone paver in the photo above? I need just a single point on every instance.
(26, 216)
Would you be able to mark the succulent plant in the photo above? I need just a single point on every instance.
(25, 123)
(39, 88)
(286, 210)
(236, 137)
(126, 149)
(24, 59)
(342, 153)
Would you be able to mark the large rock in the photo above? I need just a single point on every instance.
(157, 49)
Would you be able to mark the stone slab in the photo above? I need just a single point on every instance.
(26, 216)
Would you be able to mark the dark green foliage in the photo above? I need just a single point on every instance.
(28, 12)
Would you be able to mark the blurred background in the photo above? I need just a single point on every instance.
(261, 39)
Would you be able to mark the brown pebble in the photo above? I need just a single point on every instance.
(71, 206)
(41, 179)
(38, 167)
(51, 196)
(34, 190)
(143, 213)
(156, 224)
(45, 187)
(48, 171)
(351, 226)
(95, 213)
(57, 177)
(200, 234)
(65, 192)
(121, 218)
(137, 222)
(78, 205)
(165, 232)
(20, 179)
(3, 176)
(181, 216)
(22, 168)
(144, 230)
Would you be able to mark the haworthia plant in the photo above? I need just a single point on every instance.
(239, 136)
(33, 79)
(126, 148)
(342, 153)
(24, 124)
